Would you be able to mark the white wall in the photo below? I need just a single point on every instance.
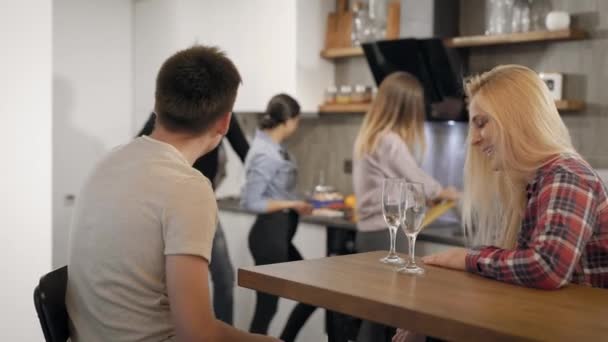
(259, 36)
(313, 74)
(155, 39)
(25, 146)
(93, 96)
(275, 45)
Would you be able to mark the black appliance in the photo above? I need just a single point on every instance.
(438, 68)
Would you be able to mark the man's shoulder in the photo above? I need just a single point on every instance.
(146, 165)
(193, 182)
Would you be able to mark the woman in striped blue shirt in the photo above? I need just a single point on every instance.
(269, 190)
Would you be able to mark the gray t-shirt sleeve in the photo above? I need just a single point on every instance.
(190, 219)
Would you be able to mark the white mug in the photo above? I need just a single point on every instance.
(557, 20)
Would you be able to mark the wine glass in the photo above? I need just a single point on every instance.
(415, 209)
(393, 209)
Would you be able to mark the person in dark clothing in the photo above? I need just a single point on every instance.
(222, 271)
(270, 191)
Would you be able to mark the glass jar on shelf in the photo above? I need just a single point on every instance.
(362, 27)
(498, 16)
(520, 17)
(344, 94)
(331, 93)
(362, 94)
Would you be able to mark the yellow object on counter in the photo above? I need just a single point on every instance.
(350, 201)
(436, 211)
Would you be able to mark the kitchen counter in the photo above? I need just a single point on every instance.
(447, 234)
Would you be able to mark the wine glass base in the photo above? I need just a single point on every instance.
(411, 269)
(392, 260)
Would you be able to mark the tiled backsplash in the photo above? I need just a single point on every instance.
(320, 145)
(324, 144)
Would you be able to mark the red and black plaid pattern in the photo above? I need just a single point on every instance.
(564, 233)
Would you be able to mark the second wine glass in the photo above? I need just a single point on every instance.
(393, 209)
(414, 213)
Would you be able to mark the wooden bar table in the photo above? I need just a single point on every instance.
(451, 305)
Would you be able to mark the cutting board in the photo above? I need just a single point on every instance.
(393, 16)
(339, 26)
(331, 31)
(345, 24)
(436, 211)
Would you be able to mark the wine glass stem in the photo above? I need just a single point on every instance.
(412, 248)
(393, 233)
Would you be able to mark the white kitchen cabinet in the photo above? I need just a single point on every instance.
(275, 45)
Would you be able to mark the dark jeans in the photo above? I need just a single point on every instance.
(222, 275)
(270, 242)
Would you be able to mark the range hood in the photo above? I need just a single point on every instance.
(439, 69)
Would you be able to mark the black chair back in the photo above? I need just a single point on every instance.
(49, 299)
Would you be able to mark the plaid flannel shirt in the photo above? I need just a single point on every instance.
(564, 233)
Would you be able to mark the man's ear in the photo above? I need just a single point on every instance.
(223, 123)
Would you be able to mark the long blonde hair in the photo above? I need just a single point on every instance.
(529, 133)
(398, 107)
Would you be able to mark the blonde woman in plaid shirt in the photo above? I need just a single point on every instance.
(535, 210)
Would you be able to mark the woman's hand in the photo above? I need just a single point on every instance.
(400, 336)
(302, 207)
(453, 258)
(449, 193)
(407, 336)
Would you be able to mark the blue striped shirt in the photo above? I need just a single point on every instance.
(270, 173)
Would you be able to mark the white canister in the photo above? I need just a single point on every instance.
(557, 20)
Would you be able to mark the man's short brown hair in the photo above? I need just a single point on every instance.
(194, 88)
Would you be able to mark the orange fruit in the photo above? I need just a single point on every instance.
(350, 201)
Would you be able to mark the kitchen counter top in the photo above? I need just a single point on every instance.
(448, 234)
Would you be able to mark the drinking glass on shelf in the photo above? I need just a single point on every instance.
(415, 209)
(538, 13)
(378, 10)
(393, 209)
(520, 16)
(498, 16)
(362, 27)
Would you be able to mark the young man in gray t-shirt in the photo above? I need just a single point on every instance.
(140, 241)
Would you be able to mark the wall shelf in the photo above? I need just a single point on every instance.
(515, 38)
(356, 108)
(475, 41)
(361, 108)
(570, 105)
(345, 52)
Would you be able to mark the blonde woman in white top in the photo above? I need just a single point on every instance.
(390, 138)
